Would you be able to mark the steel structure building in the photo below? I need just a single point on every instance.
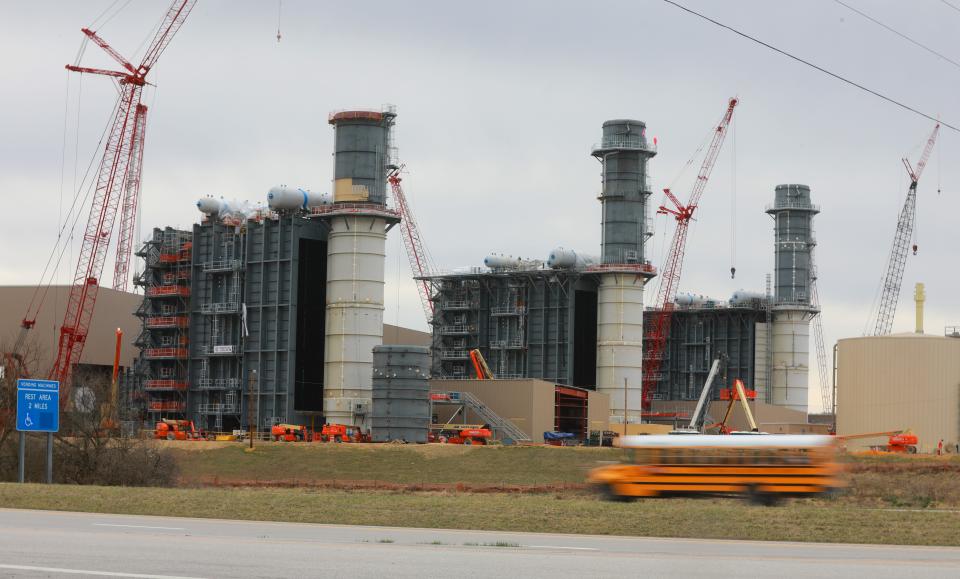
(575, 322)
(282, 307)
(162, 366)
(528, 322)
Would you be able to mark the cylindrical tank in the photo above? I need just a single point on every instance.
(790, 359)
(401, 393)
(209, 206)
(283, 198)
(688, 300)
(362, 155)
(561, 258)
(620, 344)
(742, 297)
(354, 322)
(495, 261)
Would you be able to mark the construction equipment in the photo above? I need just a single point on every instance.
(168, 429)
(421, 264)
(342, 433)
(460, 434)
(108, 411)
(700, 412)
(507, 431)
(658, 332)
(738, 392)
(480, 365)
(897, 260)
(119, 165)
(289, 432)
(899, 441)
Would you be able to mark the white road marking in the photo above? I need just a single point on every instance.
(556, 547)
(88, 572)
(139, 527)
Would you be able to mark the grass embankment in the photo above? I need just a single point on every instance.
(557, 513)
(279, 463)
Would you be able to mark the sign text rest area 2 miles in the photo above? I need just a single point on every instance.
(38, 405)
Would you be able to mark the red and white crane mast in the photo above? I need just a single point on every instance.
(120, 152)
(420, 262)
(673, 266)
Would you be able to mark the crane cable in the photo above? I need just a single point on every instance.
(814, 66)
(733, 200)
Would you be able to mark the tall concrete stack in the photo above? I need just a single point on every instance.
(358, 220)
(624, 270)
(793, 214)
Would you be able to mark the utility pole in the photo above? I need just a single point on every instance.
(251, 426)
(624, 406)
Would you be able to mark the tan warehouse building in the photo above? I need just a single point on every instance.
(900, 381)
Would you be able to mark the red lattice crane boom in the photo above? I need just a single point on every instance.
(114, 170)
(897, 261)
(131, 198)
(659, 330)
(420, 263)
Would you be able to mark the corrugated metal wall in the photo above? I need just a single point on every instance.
(899, 382)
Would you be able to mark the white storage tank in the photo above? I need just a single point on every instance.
(209, 206)
(561, 258)
(283, 198)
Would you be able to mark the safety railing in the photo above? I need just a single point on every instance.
(162, 353)
(165, 385)
(167, 322)
(220, 308)
(218, 384)
(221, 265)
(168, 290)
(637, 143)
(454, 354)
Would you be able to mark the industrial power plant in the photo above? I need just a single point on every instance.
(225, 372)
(271, 314)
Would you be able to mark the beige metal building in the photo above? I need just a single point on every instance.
(900, 381)
(532, 405)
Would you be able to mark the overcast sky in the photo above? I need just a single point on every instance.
(499, 103)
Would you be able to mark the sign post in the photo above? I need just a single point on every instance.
(38, 410)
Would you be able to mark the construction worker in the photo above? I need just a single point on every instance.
(940, 448)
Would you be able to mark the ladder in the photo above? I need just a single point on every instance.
(507, 429)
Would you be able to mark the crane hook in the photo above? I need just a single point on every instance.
(733, 272)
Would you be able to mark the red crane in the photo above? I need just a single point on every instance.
(131, 198)
(897, 261)
(658, 331)
(420, 262)
(120, 152)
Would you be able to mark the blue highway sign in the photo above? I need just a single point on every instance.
(38, 405)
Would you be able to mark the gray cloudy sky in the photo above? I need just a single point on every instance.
(498, 105)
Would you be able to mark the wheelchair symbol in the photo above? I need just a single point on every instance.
(27, 421)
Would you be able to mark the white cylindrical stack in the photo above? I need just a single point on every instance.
(790, 358)
(354, 321)
(620, 343)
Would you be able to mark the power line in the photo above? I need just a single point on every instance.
(900, 34)
(951, 5)
(814, 66)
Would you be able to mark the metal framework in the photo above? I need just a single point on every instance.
(897, 261)
(673, 267)
(420, 263)
(112, 173)
(131, 198)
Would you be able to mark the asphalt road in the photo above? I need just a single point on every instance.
(53, 544)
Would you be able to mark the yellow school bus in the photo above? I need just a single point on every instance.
(764, 467)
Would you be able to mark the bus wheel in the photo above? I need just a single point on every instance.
(338, 438)
(608, 493)
(761, 498)
(170, 436)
